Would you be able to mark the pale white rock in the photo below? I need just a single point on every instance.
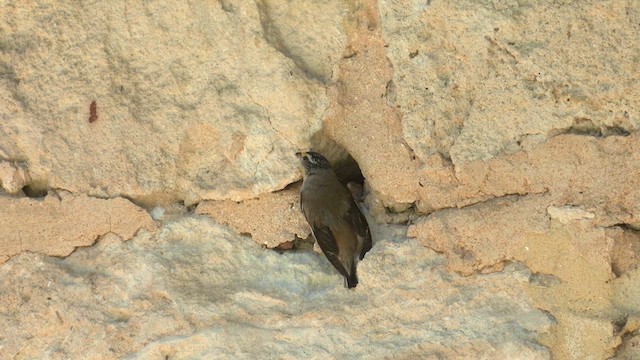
(568, 213)
(197, 290)
(13, 176)
(157, 213)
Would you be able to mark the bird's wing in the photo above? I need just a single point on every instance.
(360, 226)
(329, 246)
(324, 238)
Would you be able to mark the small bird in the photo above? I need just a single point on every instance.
(340, 228)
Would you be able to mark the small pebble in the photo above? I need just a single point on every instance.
(157, 213)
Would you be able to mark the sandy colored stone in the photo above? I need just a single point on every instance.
(598, 174)
(455, 126)
(473, 81)
(627, 293)
(625, 255)
(270, 220)
(484, 236)
(569, 191)
(314, 46)
(476, 79)
(630, 347)
(198, 290)
(513, 124)
(13, 176)
(58, 225)
(192, 102)
(360, 117)
(581, 338)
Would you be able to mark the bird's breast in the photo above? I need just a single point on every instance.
(324, 203)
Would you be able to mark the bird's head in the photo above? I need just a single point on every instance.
(312, 161)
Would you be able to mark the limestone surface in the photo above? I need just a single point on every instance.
(13, 176)
(59, 223)
(147, 168)
(188, 99)
(475, 79)
(571, 260)
(195, 289)
(270, 219)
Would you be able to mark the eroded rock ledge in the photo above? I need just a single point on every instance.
(60, 222)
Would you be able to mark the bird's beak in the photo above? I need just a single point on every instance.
(299, 155)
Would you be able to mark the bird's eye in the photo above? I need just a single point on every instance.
(306, 158)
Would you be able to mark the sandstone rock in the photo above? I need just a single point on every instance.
(58, 225)
(270, 220)
(582, 338)
(476, 79)
(13, 177)
(570, 190)
(627, 293)
(196, 290)
(360, 117)
(506, 132)
(314, 46)
(625, 255)
(191, 102)
(630, 348)
(483, 237)
(598, 174)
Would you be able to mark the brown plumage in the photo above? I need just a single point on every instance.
(340, 228)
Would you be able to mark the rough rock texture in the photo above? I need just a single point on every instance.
(571, 261)
(504, 132)
(586, 275)
(57, 224)
(188, 99)
(360, 117)
(474, 79)
(270, 219)
(13, 176)
(196, 290)
(625, 254)
(486, 91)
(571, 190)
(630, 348)
(597, 173)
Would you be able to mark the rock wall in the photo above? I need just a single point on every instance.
(146, 148)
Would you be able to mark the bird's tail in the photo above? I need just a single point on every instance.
(352, 278)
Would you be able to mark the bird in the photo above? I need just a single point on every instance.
(336, 221)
